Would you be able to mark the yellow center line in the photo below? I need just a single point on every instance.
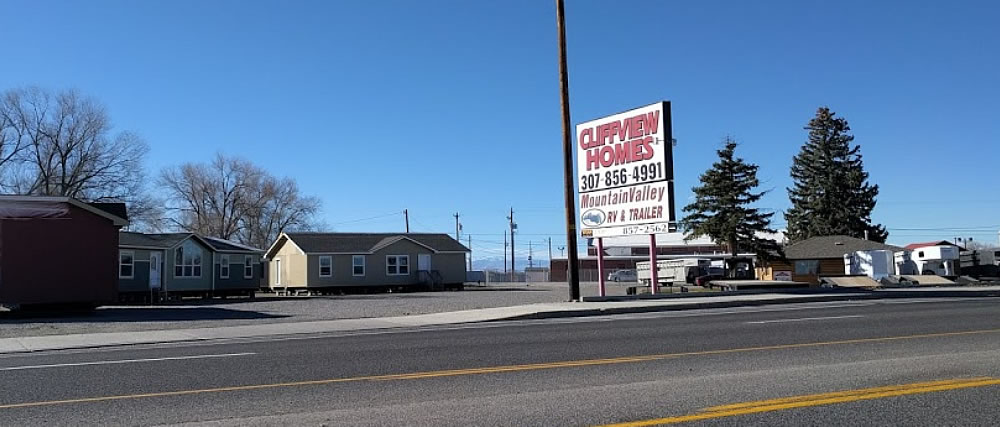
(815, 400)
(784, 400)
(488, 370)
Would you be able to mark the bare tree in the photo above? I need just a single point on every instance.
(21, 112)
(978, 245)
(233, 199)
(63, 144)
(277, 206)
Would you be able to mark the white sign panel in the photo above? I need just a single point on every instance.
(625, 172)
(631, 230)
(783, 276)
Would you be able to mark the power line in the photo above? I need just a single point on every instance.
(365, 219)
(969, 228)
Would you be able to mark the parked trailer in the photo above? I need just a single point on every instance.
(877, 264)
(673, 271)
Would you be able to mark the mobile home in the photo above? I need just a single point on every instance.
(337, 262)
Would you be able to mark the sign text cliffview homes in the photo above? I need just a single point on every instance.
(624, 149)
(625, 171)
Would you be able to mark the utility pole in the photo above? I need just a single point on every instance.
(513, 226)
(573, 263)
(458, 228)
(531, 263)
(505, 252)
(406, 216)
(470, 252)
(550, 254)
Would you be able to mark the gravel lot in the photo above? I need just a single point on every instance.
(268, 308)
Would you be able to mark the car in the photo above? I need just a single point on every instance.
(623, 276)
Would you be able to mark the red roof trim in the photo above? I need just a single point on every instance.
(913, 246)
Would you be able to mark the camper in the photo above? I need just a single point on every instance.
(942, 260)
(674, 271)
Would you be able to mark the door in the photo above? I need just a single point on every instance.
(155, 267)
(424, 262)
(277, 272)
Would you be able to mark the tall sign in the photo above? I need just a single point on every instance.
(625, 173)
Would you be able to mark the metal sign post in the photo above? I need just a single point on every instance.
(601, 291)
(654, 269)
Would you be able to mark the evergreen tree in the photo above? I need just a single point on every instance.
(830, 194)
(722, 207)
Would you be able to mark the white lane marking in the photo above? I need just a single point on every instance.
(119, 362)
(803, 319)
(803, 306)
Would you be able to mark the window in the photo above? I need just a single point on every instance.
(248, 267)
(325, 266)
(359, 265)
(126, 264)
(807, 267)
(187, 260)
(397, 265)
(224, 267)
(920, 254)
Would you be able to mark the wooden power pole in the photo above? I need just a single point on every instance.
(572, 261)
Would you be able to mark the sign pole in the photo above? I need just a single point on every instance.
(600, 268)
(654, 269)
(573, 262)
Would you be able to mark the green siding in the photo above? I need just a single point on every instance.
(140, 277)
(183, 284)
(236, 278)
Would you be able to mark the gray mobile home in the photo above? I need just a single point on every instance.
(155, 265)
(325, 262)
(237, 268)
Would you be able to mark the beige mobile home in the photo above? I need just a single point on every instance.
(332, 262)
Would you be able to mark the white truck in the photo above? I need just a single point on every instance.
(673, 271)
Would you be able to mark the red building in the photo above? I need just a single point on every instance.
(58, 250)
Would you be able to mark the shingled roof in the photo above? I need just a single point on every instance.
(223, 245)
(371, 242)
(162, 240)
(833, 247)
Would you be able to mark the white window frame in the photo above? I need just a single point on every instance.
(131, 255)
(397, 265)
(182, 265)
(355, 265)
(327, 257)
(248, 267)
(224, 266)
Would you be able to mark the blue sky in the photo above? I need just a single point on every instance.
(445, 106)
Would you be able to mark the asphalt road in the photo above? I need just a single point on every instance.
(893, 363)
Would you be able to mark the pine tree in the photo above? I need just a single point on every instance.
(722, 207)
(830, 194)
